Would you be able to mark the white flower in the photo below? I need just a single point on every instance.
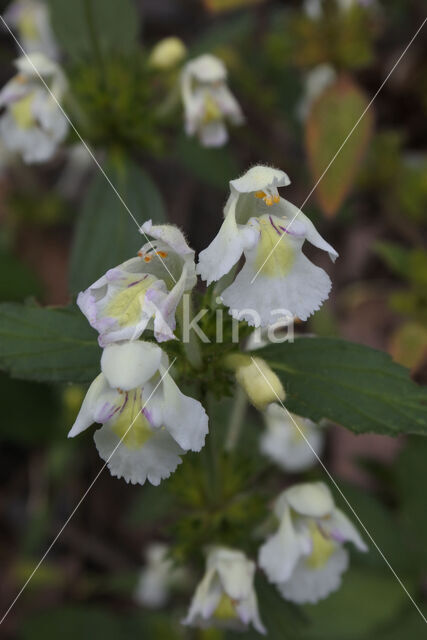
(158, 577)
(208, 103)
(226, 596)
(314, 8)
(316, 82)
(33, 124)
(31, 20)
(142, 292)
(274, 285)
(285, 444)
(305, 558)
(167, 53)
(135, 389)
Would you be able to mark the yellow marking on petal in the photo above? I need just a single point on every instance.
(27, 26)
(323, 548)
(273, 258)
(212, 111)
(126, 305)
(140, 431)
(226, 609)
(22, 112)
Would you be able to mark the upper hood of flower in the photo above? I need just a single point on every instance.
(130, 364)
(206, 68)
(260, 178)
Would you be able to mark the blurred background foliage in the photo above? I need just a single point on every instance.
(372, 206)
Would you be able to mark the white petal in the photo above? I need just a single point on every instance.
(168, 233)
(310, 499)
(248, 612)
(226, 248)
(311, 585)
(98, 405)
(36, 63)
(206, 68)
(129, 365)
(259, 178)
(283, 443)
(300, 292)
(236, 573)
(183, 417)
(340, 528)
(205, 599)
(280, 554)
(154, 461)
(213, 134)
(228, 104)
(294, 214)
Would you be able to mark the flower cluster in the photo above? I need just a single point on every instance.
(148, 424)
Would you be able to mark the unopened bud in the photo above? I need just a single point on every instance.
(167, 53)
(258, 380)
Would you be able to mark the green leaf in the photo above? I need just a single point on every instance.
(331, 119)
(340, 617)
(106, 234)
(22, 427)
(20, 283)
(358, 387)
(94, 27)
(47, 345)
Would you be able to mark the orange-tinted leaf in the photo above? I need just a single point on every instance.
(330, 121)
(217, 6)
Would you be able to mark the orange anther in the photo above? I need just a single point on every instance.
(276, 199)
(162, 254)
(259, 194)
(268, 201)
(139, 254)
(147, 258)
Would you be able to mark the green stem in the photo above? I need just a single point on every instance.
(236, 421)
(189, 338)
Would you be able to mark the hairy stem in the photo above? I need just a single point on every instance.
(236, 421)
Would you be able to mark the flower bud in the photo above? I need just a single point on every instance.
(167, 53)
(258, 380)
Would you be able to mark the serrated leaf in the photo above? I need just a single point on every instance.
(356, 386)
(47, 345)
(94, 27)
(106, 234)
(330, 121)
